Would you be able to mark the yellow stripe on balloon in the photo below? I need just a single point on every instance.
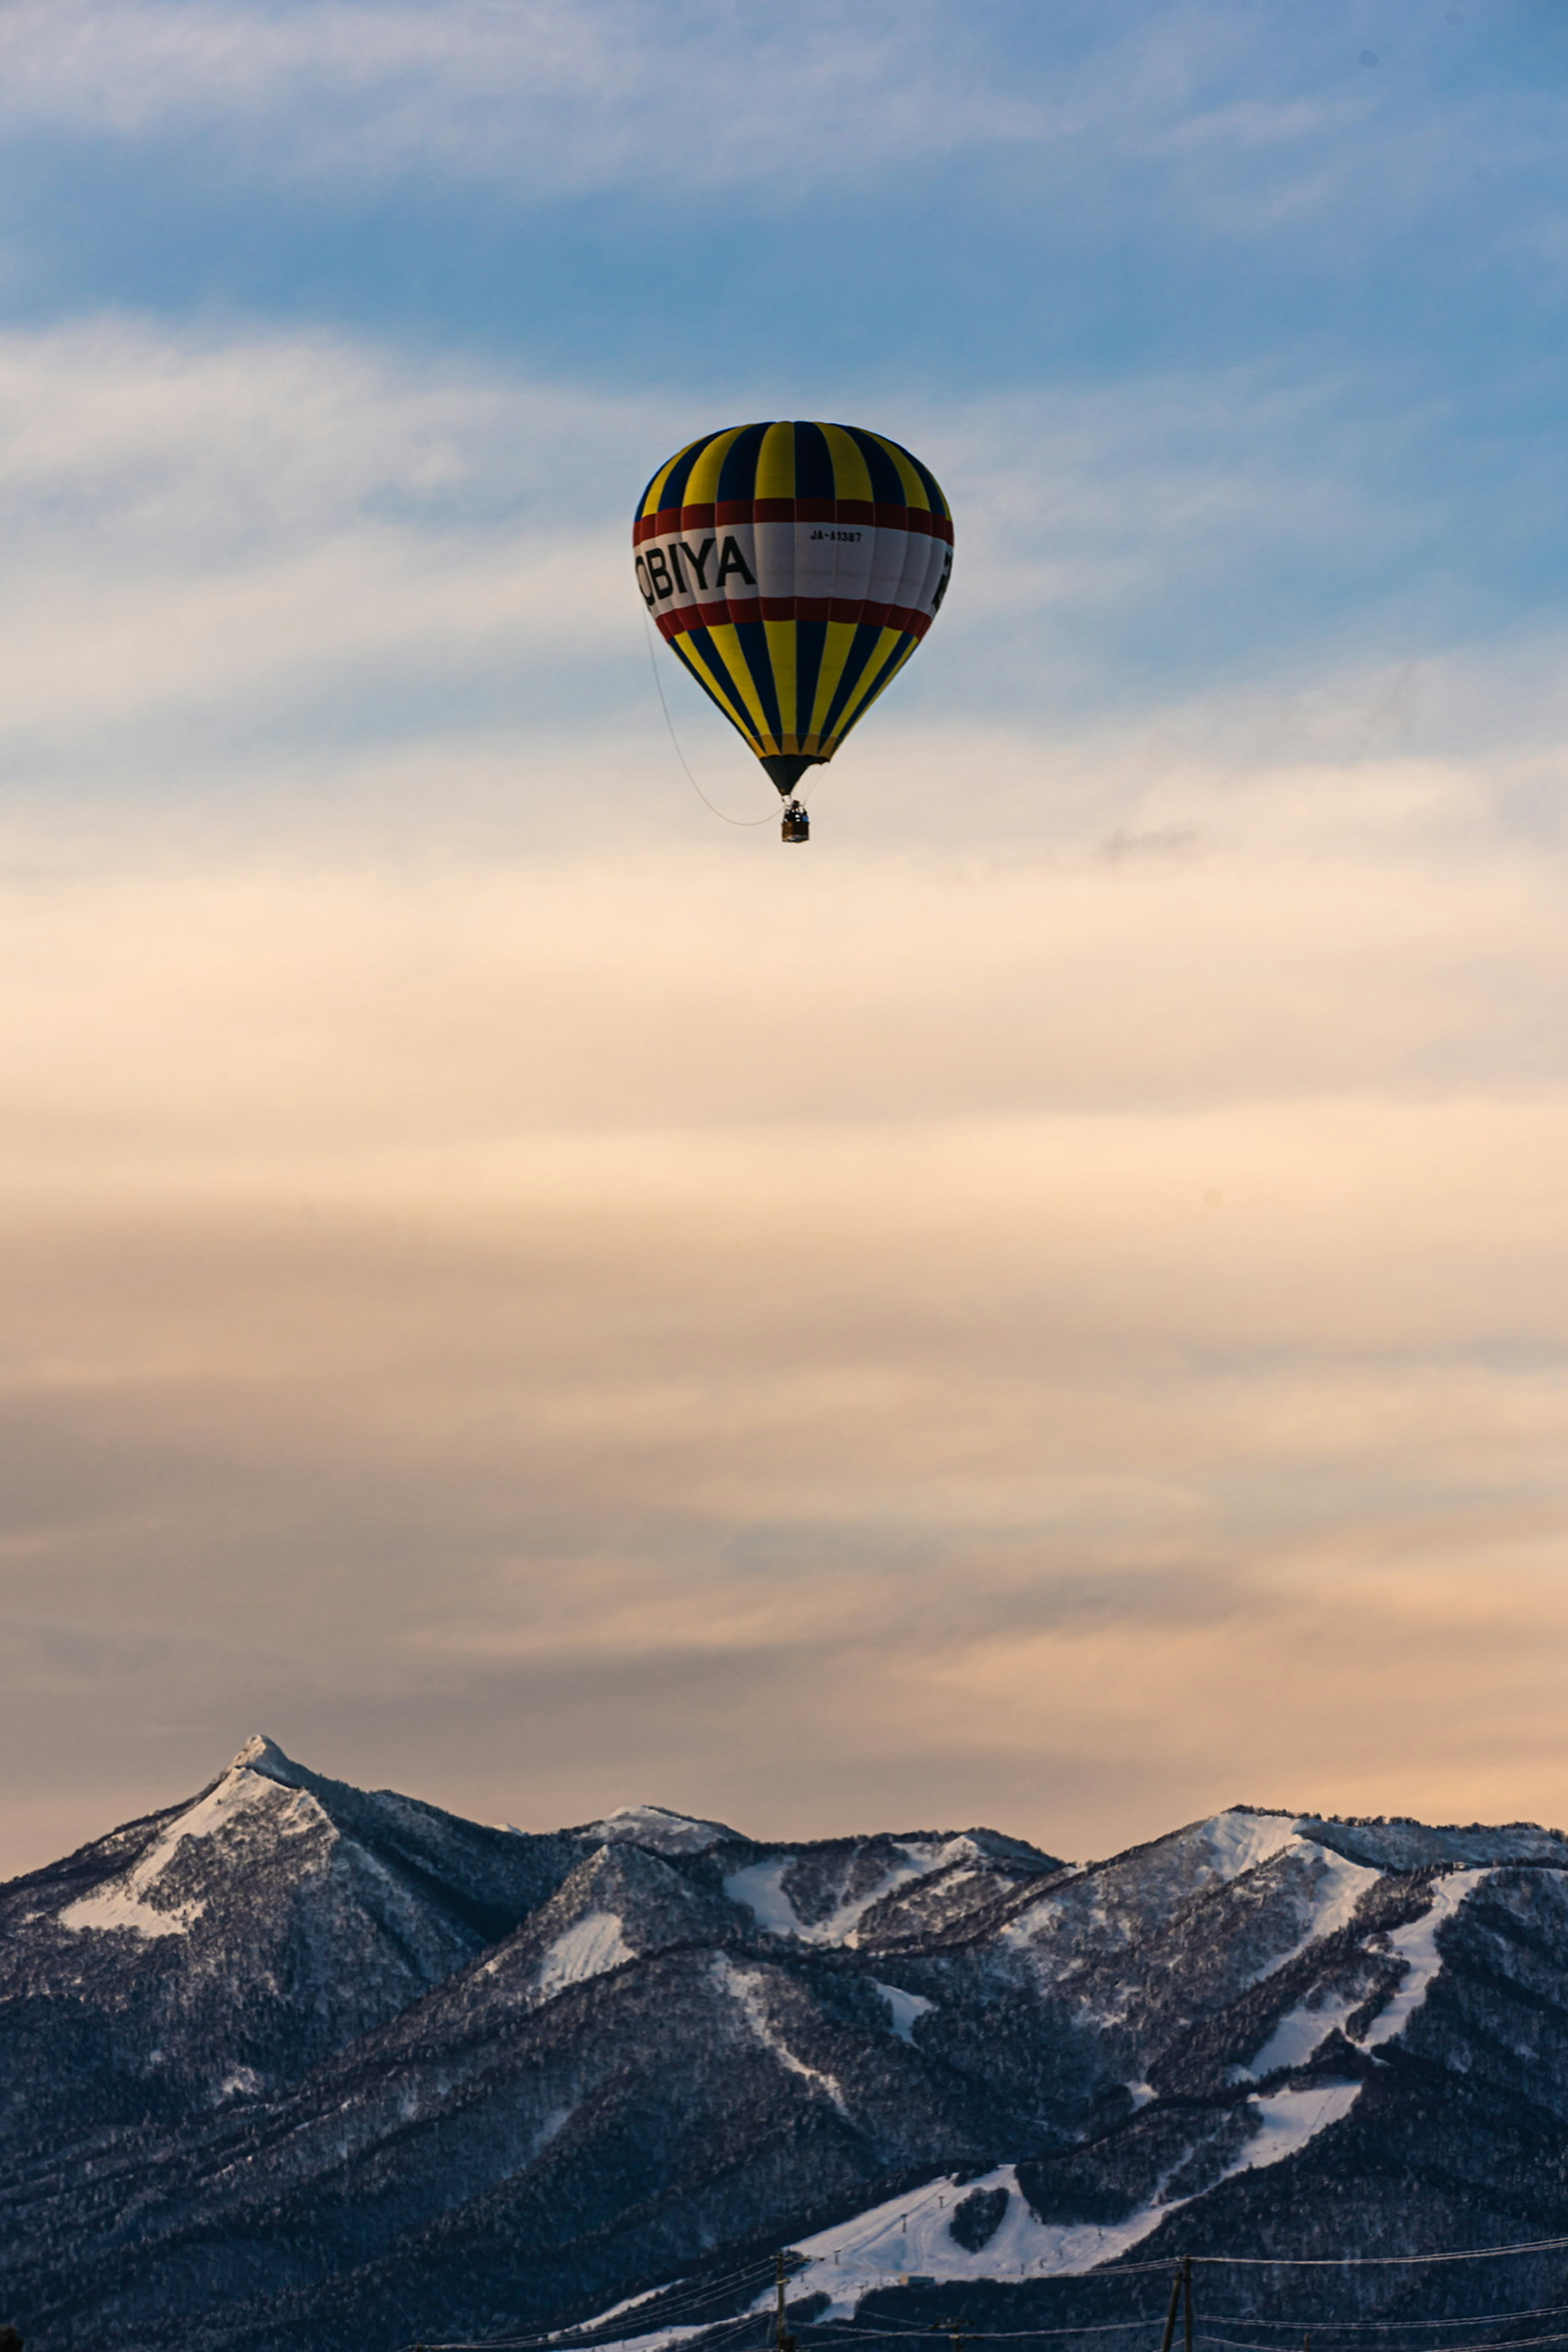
(704, 673)
(776, 464)
(889, 673)
(841, 636)
(701, 482)
(727, 644)
(655, 491)
(914, 488)
(781, 643)
(870, 682)
(852, 475)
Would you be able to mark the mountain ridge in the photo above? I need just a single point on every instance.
(295, 2056)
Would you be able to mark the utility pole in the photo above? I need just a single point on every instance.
(954, 2328)
(782, 2340)
(1181, 2300)
(1168, 2338)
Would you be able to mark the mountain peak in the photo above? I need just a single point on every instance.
(657, 1827)
(263, 1755)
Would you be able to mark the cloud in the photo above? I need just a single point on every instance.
(1252, 133)
(541, 1327)
(535, 1297)
(249, 546)
(559, 94)
(195, 523)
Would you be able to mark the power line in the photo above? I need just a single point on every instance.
(1514, 2344)
(1377, 2262)
(709, 2327)
(580, 2337)
(981, 2335)
(1476, 2319)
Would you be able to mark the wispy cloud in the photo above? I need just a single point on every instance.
(557, 98)
(272, 540)
(1047, 1304)
(556, 94)
(520, 1314)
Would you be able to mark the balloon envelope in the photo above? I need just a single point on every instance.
(794, 568)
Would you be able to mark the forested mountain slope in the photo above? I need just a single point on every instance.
(296, 2061)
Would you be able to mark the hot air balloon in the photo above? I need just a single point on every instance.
(794, 568)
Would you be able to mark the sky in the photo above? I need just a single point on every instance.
(1048, 1307)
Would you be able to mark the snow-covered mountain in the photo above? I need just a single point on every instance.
(292, 2060)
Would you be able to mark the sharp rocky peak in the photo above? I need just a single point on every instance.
(264, 1756)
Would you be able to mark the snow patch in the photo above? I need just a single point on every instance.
(1240, 1841)
(760, 1887)
(747, 1990)
(602, 2318)
(654, 1826)
(122, 1902)
(1289, 2119)
(1298, 2034)
(587, 1948)
(1340, 1885)
(643, 2343)
(554, 2124)
(119, 1904)
(912, 2233)
(1417, 1946)
(907, 2007)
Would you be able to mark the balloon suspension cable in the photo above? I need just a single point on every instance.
(658, 681)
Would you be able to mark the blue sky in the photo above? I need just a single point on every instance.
(1281, 327)
(525, 1292)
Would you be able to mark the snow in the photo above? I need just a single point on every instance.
(260, 1754)
(602, 2318)
(644, 2343)
(1305, 2027)
(907, 2007)
(122, 1902)
(759, 1887)
(1289, 2119)
(1417, 1946)
(1238, 1841)
(587, 1948)
(655, 1826)
(911, 2234)
(746, 1988)
(119, 1904)
(1048, 1914)
(1298, 2034)
(1340, 1885)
